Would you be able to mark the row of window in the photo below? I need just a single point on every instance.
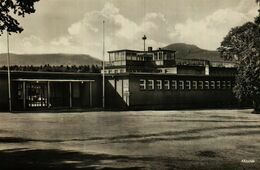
(114, 71)
(184, 85)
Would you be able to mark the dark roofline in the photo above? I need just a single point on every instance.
(163, 74)
(124, 50)
(46, 72)
(138, 51)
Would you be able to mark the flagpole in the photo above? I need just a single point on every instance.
(103, 65)
(8, 72)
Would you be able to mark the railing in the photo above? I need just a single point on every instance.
(192, 62)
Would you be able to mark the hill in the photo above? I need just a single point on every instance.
(51, 59)
(187, 51)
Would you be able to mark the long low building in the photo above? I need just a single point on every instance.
(134, 80)
(50, 91)
(159, 91)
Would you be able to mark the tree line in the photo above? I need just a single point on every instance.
(61, 68)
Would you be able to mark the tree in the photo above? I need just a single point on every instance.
(11, 8)
(242, 44)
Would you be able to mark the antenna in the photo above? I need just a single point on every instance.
(144, 38)
(103, 65)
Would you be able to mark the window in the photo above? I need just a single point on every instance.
(181, 85)
(218, 85)
(229, 86)
(200, 85)
(166, 84)
(195, 85)
(20, 90)
(128, 57)
(223, 84)
(143, 84)
(112, 57)
(174, 85)
(212, 85)
(188, 85)
(206, 84)
(159, 84)
(123, 63)
(150, 85)
(122, 70)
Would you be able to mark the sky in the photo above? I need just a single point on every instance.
(75, 26)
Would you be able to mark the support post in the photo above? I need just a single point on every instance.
(49, 94)
(24, 95)
(90, 94)
(103, 65)
(9, 74)
(70, 89)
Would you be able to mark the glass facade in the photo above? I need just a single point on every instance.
(33, 94)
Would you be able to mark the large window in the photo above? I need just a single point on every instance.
(36, 94)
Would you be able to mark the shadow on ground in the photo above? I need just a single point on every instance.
(24, 159)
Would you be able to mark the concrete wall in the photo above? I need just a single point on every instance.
(165, 99)
(191, 70)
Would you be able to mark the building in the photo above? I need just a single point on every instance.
(156, 79)
(38, 91)
(134, 80)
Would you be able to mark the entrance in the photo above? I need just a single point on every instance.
(36, 95)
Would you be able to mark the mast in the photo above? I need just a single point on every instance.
(103, 65)
(8, 73)
(144, 38)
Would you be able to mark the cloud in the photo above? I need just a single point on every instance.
(209, 31)
(85, 35)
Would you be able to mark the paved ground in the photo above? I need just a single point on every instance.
(208, 139)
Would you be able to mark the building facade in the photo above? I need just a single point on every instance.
(134, 80)
(37, 91)
(156, 79)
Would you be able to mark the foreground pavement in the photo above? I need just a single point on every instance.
(207, 139)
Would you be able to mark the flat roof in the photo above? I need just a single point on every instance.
(48, 72)
(164, 74)
(52, 80)
(139, 51)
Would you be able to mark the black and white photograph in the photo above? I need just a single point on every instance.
(129, 84)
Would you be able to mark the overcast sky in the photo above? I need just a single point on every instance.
(75, 26)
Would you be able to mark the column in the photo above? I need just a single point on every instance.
(70, 89)
(24, 96)
(49, 94)
(90, 94)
